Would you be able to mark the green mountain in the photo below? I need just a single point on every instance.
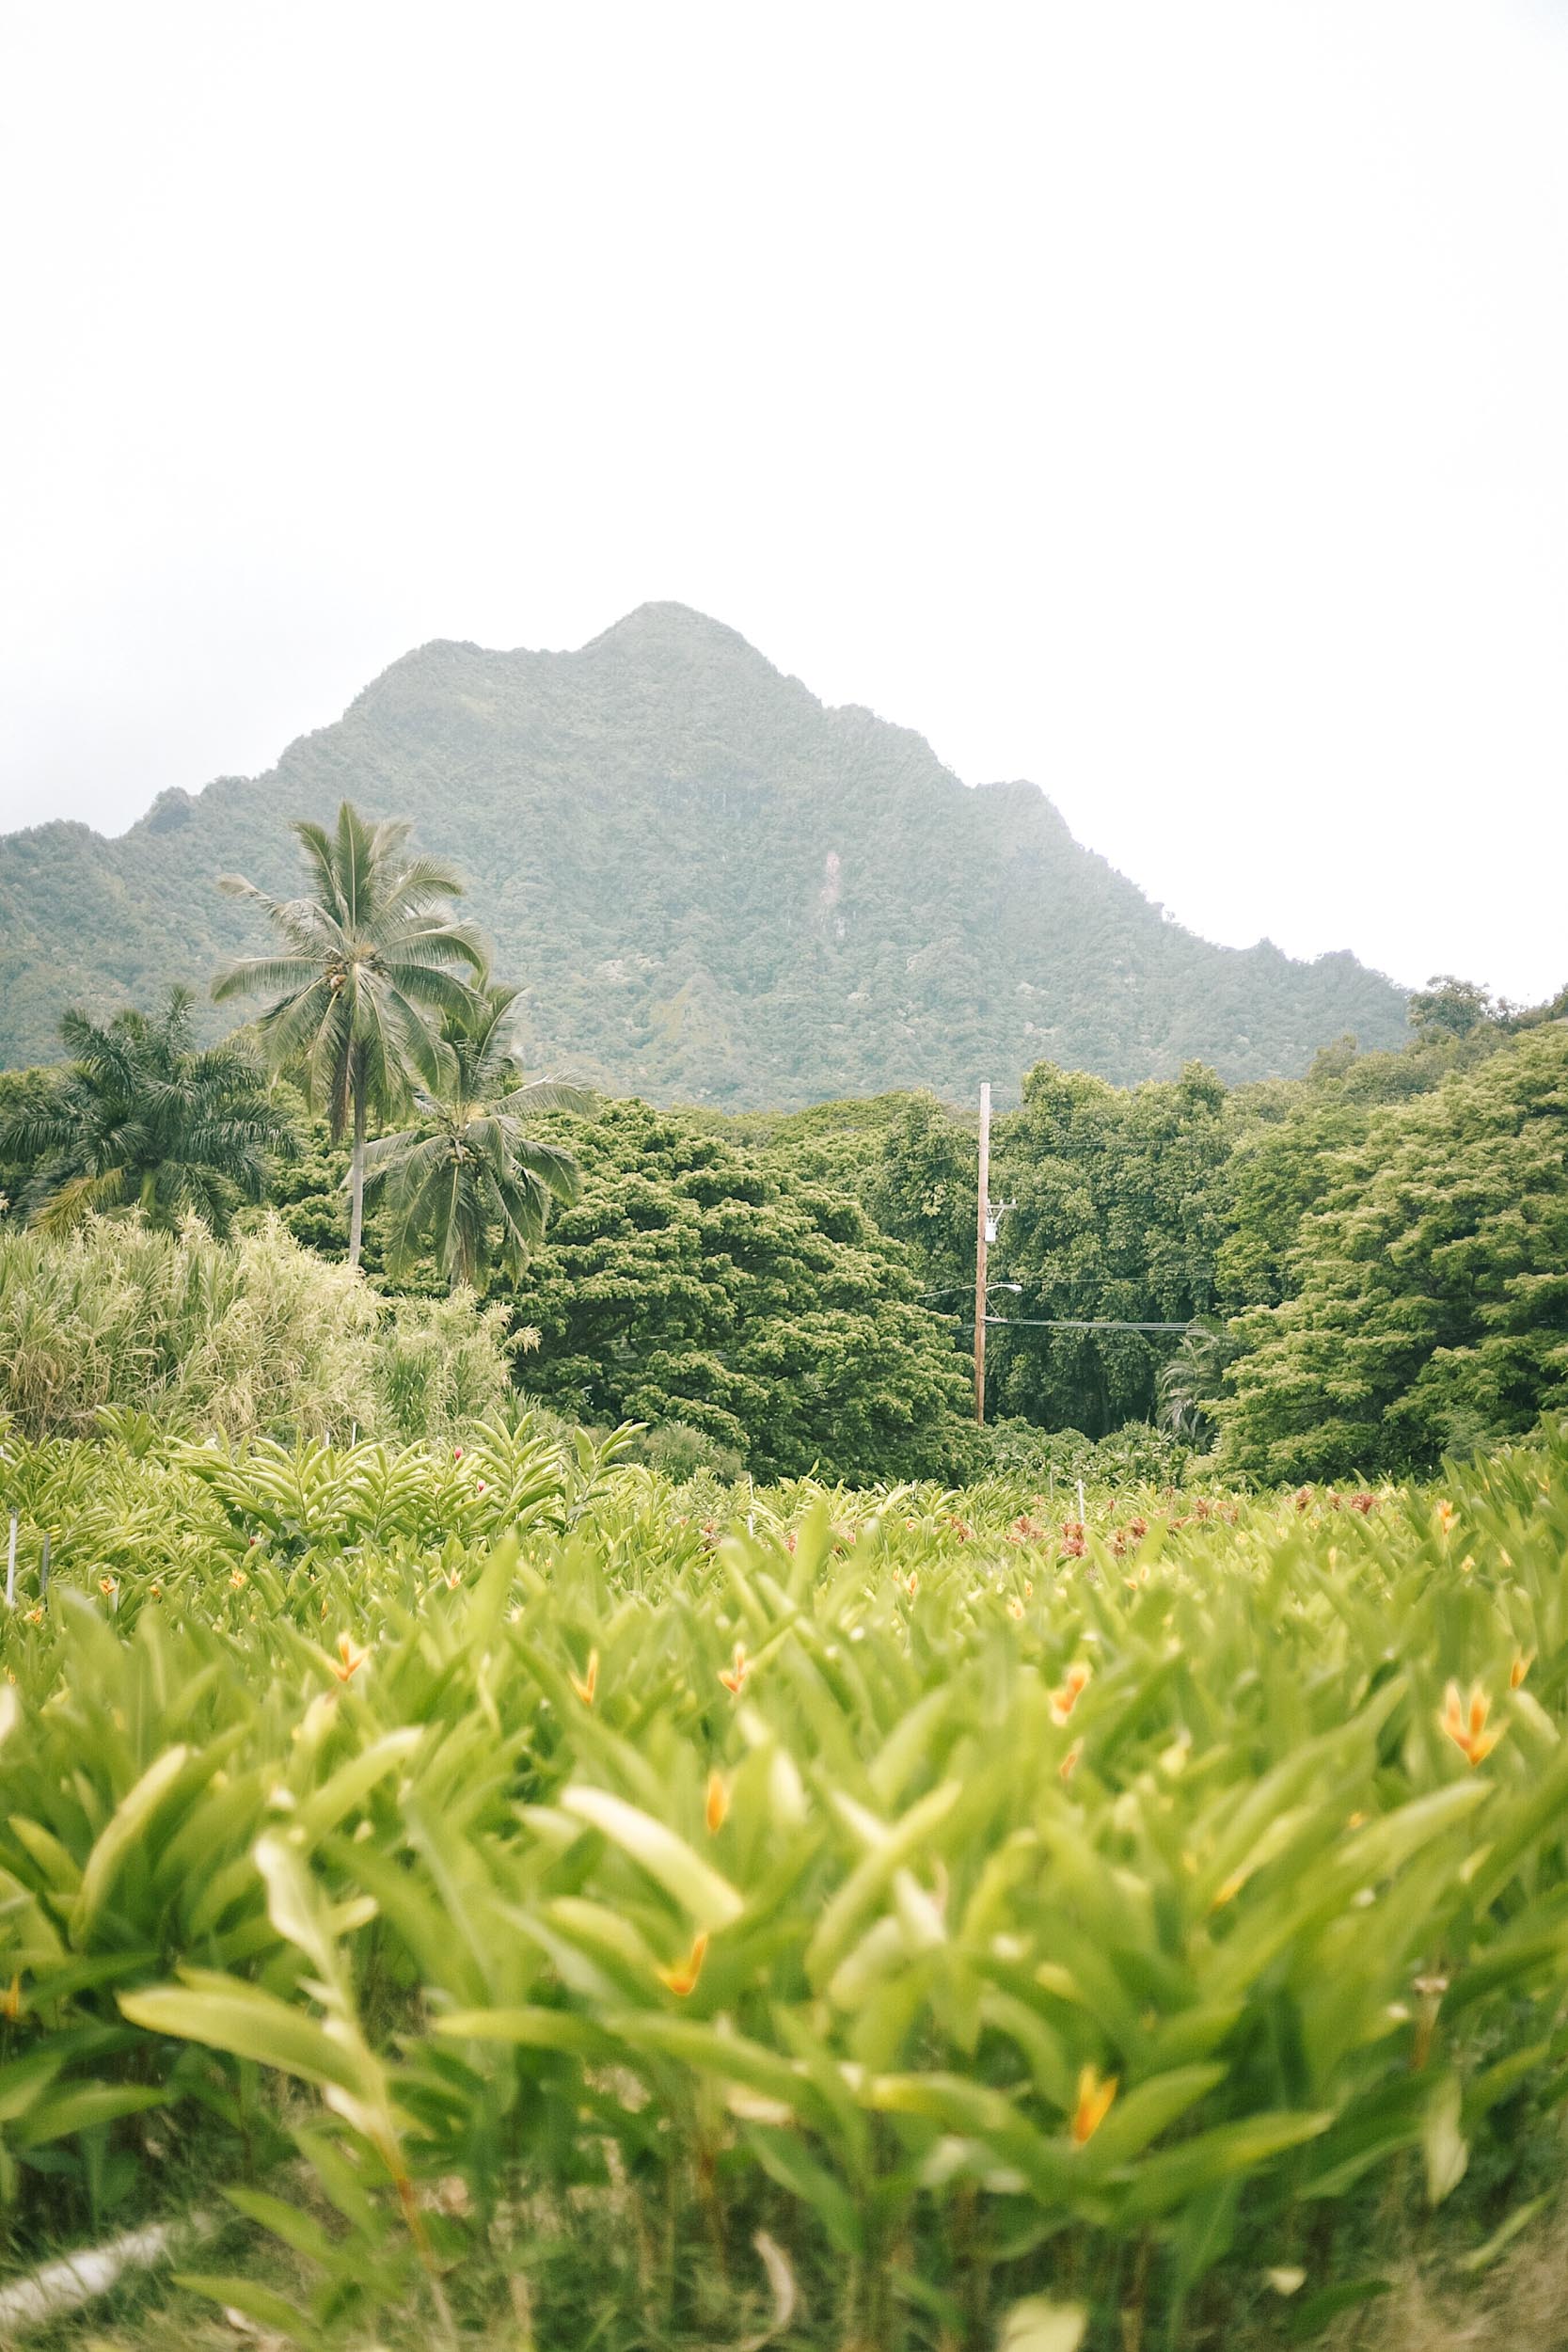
(712, 888)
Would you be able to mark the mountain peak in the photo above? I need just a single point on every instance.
(663, 625)
(710, 887)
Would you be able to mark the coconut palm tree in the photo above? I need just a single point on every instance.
(1190, 1380)
(469, 1185)
(141, 1119)
(369, 957)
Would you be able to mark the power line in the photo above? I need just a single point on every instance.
(1064, 1323)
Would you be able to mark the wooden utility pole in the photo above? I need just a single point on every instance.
(982, 1235)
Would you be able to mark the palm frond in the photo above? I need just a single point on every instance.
(537, 1096)
(256, 976)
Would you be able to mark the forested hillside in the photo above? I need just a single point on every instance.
(712, 888)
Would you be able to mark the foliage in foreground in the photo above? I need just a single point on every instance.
(966, 1907)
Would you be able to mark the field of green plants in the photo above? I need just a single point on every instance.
(503, 1895)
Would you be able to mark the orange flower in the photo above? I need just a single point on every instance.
(1520, 1668)
(237, 1580)
(682, 1975)
(1465, 1722)
(349, 1659)
(107, 1584)
(1066, 1699)
(734, 1675)
(586, 1684)
(1094, 2104)
(1446, 1516)
(1068, 1764)
(717, 1803)
(1015, 1608)
(10, 2001)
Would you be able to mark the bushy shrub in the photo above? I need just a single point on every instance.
(681, 1452)
(1137, 1454)
(440, 1363)
(257, 1334)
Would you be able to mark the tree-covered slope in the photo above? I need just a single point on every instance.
(711, 886)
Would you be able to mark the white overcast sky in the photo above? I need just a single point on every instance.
(1163, 399)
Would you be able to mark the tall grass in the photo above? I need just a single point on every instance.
(229, 1338)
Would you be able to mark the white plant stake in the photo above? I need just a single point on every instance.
(11, 1567)
(1082, 1520)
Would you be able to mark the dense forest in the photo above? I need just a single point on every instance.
(708, 887)
(1363, 1266)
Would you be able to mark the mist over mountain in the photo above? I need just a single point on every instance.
(713, 888)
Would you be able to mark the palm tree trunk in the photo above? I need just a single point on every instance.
(357, 1175)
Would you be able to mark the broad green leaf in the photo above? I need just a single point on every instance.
(79, 2107)
(1444, 2149)
(352, 1781)
(782, 2156)
(732, 2058)
(256, 2301)
(24, 2079)
(228, 2014)
(872, 1875)
(300, 2229)
(709, 1900)
(1162, 2182)
(123, 1831)
(1143, 2113)
(529, 2028)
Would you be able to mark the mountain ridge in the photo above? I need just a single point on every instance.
(713, 886)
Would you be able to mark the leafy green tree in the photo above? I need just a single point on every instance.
(1117, 1217)
(470, 1185)
(141, 1119)
(922, 1189)
(1450, 1005)
(369, 957)
(1430, 1287)
(1273, 1174)
(692, 1282)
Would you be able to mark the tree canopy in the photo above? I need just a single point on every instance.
(142, 1119)
(1428, 1290)
(1116, 1216)
(690, 1282)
